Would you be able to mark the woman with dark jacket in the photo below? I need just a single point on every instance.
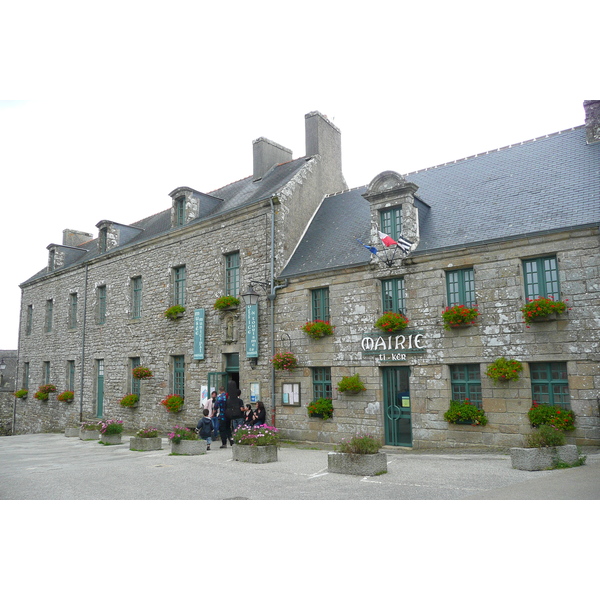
(260, 414)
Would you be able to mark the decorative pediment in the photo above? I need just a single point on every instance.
(385, 182)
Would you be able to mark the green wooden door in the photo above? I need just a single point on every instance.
(216, 379)
(396, 400)
(100, 388)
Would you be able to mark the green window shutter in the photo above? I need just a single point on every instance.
(179, 375)
(102, 240)
(72, 311)
(320, 304)
(321, 377)
(550, 384)
(101, 307)
(232, 274)
(391, 221)
(393, 295)
(46, 372)
(460, 285)
(179, 285)
(29, 321)
(180, 211)
(134, 384)
(136, 297)
(541, 278)
(26, 376)
(71, 375)
(466, 383)
(49, 311)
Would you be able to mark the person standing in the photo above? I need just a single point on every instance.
(235, 411)
(220, 411)
(210, 404)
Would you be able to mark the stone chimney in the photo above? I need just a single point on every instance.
(75, 238)
(325, 139)
(267, 154)
(592, 121)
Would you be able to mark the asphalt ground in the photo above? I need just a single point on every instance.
(55, 467)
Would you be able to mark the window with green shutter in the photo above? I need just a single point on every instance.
(179, 375)
(45, 372)
(321, 382)
(393, 295)
(49, 311)
(320, 304)
(101, 304)
(541, 278)
(134, 384)
(550, 384)
(232, 274)
(136, 297)
(25, 375)
(460, 285)
(179, 285)
(29, 320)
(71, 375)
(72, 311)
(466, 383)
(391, 221)
(180, 211)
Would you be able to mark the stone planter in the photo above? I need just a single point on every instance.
(89, 434)
(538, 459)
(357, 464)
(111, 440)
(72, 431)
(189, 447)
(254, 454)
(145, 444)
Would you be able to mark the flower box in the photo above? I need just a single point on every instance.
(189, 447)
(89, 434)
(255, 454)
(109, 439)
(357, 464)
(145, 444)
(538, 459)
(72, 431)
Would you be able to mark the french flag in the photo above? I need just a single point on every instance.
(387, 240)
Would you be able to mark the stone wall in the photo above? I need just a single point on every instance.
(355, 303)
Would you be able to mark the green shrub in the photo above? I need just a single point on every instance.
(359, 444)
(545, 436)
(545, 414)
(323, 407)
(465, 411)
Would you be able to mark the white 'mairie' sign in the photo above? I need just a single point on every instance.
(393, 346)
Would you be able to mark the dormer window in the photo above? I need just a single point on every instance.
(102, 240)
(179, 208)
(391, 221)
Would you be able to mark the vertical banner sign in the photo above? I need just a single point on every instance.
(199, 334)
(252, 331)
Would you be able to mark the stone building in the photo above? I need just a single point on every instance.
(97, 310)
(490, 231)
(8, 369)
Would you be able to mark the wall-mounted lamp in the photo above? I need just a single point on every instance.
(2, 364)
(251, 296)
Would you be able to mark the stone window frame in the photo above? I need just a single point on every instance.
(537, 269)
(553, 379)
(469, 381)
(462, 290)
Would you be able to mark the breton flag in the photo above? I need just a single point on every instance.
(388, 241)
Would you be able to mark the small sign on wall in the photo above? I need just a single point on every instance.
(290, 394)
(199, 334)
(252, 331)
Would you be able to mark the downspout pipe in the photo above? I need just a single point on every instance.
(85, 297)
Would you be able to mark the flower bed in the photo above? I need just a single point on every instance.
(358, 455)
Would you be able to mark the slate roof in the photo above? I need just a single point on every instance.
(219, 202)
(538, 186)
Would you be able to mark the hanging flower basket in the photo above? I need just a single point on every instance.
(129, 401)
(226, 303)
(284, 361)
(459, 316)
(351, 384)
(66, 396)
(465, 413)
(142, 373)
(174, 312)
(542, 309)
(44, 391)
(322, 408)
(22, 394)
(391, 321)
(173, 403)
(503, 369)
(317, 329)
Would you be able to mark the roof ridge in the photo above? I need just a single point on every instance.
(344, 191)
(452, 162)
